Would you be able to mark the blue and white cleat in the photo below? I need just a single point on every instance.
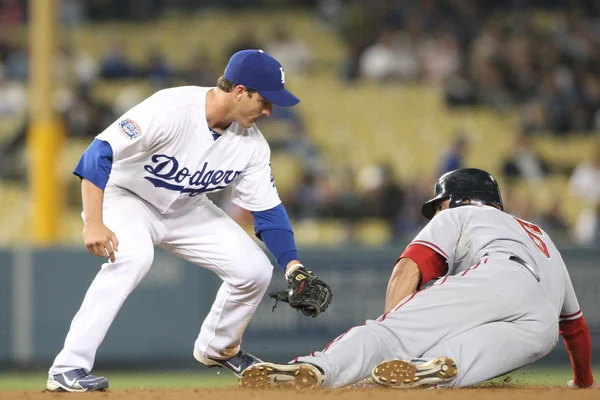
(76, 380)
(237, 364)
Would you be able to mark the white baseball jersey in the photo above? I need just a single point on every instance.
(465, 235)
(165, 159)
(165, 152)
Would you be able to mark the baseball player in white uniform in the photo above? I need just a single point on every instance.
(502, 300)
(144, 183)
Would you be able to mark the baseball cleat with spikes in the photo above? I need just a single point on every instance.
(267, 375)
(405, 374)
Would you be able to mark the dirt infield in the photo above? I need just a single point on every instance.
(347, 394)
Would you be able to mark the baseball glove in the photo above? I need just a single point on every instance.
(305, 292)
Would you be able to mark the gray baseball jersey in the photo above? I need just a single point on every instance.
(490, 313)
(465, 235)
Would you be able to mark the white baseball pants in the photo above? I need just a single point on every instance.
(202, 234)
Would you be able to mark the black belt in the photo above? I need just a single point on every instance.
(519, 260)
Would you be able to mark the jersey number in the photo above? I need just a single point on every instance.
(534, 232)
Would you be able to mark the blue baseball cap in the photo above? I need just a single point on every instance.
(257, 70)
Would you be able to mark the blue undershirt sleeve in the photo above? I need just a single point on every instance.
(273, 227)
(96, 163)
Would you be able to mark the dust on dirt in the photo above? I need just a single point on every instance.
(486, 393)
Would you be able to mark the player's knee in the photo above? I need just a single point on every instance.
(260, 277)
(143, 261)
(257, 273)
(264, 276)
(127, 271)
(136, 264)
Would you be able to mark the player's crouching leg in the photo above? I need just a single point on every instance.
(246, 282)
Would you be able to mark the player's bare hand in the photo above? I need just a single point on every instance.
(100, 241)
(573, 385)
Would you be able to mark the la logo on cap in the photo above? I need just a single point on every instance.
(257, 70)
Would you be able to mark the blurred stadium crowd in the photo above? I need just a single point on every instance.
(495, 53)
(537, 59)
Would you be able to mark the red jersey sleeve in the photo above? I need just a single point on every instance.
(431, 264)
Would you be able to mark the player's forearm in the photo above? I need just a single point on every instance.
(403, 282)
(273, 227)
(92, 198)
(579, 346)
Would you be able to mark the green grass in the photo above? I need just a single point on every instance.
(535, 376)
(128, 380)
